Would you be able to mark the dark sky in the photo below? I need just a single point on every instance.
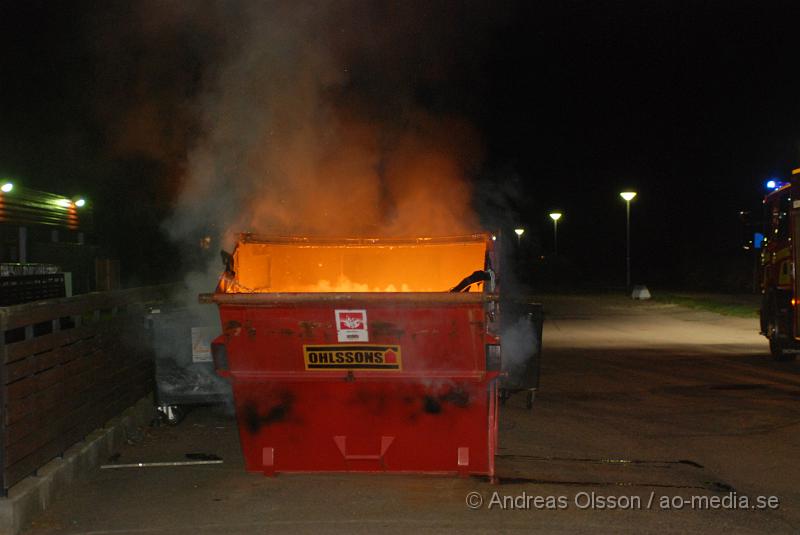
(693, 104)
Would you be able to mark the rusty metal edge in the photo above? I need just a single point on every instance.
(287, 298)
(366, 241)
(362, 375)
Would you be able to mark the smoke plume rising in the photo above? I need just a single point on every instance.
(307, 119)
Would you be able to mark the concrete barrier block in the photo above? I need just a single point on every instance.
(29, 497)
(51, 483)
(66, 474)
(7, 517)
(128, 424)
(88, 458)
(73, 451)
(24, 502)
(117, 437)
(105, 437)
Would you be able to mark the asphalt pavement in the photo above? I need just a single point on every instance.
(649, 418)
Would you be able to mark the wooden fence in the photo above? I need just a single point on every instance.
(67, 366)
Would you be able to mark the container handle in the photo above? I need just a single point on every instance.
(341, 443)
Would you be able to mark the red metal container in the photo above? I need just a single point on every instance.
(360, 381)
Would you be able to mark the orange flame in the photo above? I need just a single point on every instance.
(297, 265)
(346, 184)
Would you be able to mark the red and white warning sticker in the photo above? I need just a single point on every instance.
(351, 326)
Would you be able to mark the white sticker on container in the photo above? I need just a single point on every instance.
(201, 344)
(351, 326)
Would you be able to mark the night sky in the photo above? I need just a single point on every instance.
(692, 104)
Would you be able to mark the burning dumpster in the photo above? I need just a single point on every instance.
(362, 354)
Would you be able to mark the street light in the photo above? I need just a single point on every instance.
(555, 216)
(6, 187)
(628, 196)
(520, 232)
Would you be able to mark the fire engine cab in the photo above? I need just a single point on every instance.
(780, 320)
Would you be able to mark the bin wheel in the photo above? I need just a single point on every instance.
(504, 395)
(171, 414)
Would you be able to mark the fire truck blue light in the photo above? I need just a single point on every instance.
(773, 184)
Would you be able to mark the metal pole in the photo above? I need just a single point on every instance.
(555, 236)
(22, 244)
(628, 245)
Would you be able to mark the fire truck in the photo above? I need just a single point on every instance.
(780, 288)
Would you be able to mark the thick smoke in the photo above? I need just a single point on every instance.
(326, 118)
(520, 342)
(309, 125)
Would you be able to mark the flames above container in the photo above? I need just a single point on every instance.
(311, 123)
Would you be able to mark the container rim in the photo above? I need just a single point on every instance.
(288, 298)
(247, 237)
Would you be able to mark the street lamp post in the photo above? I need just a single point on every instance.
(628, 196)
(520, 232)
(555, 216)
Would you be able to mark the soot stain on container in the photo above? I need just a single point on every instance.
(308, 328)
(232, 328)
(382, 328)
(254, 421)
(457, 396)
(431, 405)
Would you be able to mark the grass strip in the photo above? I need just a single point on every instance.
(727, 305)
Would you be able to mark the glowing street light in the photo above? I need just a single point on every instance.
(80, 202)
(520, 232)
(628, 196)
(6, 187)
(555, 216)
